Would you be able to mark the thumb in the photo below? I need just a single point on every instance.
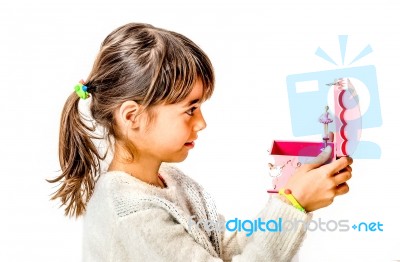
(331, 136)
(319, 160)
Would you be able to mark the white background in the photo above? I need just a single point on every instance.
(47, 46)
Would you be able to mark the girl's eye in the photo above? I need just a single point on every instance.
(191, 111)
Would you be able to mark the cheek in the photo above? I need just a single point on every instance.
(177, 132)
(170, 127)
(178, 123)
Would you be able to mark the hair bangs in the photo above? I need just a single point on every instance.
(184, 63)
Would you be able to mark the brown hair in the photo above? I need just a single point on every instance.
(137, 62)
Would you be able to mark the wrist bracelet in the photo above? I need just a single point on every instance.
(288, 194)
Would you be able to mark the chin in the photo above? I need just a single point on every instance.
(176, 159)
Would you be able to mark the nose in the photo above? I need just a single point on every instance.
(200, 123)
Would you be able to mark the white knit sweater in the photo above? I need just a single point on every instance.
(129, 220)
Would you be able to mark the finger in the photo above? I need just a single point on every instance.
(331, 136)
(347, 168)
(339, 164)
(342, 177)
(314, 162)
(342, 189)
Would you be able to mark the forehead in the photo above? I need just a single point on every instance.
(196, 93)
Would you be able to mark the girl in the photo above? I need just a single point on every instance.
(146, 88)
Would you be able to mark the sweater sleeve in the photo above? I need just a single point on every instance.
(154, 235)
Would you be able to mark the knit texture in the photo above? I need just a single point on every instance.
(129, 220)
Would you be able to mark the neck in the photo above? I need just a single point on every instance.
(145, 169)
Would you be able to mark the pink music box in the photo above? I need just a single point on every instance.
(288, 155)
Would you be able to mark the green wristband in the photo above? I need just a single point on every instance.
(288, 194)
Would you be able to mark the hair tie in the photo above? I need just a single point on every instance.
(81, 90)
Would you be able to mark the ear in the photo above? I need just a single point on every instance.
(128, 113)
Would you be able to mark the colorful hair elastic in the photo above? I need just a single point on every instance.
(81, 90)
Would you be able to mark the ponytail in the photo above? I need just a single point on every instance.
(79, 160)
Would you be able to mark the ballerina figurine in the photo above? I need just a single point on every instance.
(325, 119)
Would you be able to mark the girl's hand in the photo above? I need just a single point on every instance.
(315, 185)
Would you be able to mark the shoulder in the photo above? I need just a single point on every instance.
(126, 194)
(123, 194)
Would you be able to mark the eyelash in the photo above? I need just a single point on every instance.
(190, 111)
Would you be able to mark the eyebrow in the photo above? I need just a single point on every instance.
(194, 101)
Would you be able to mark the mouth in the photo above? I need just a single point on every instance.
(189, 144)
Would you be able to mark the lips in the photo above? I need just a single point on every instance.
(190, 144)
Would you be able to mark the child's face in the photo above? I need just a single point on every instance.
(172, 133)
